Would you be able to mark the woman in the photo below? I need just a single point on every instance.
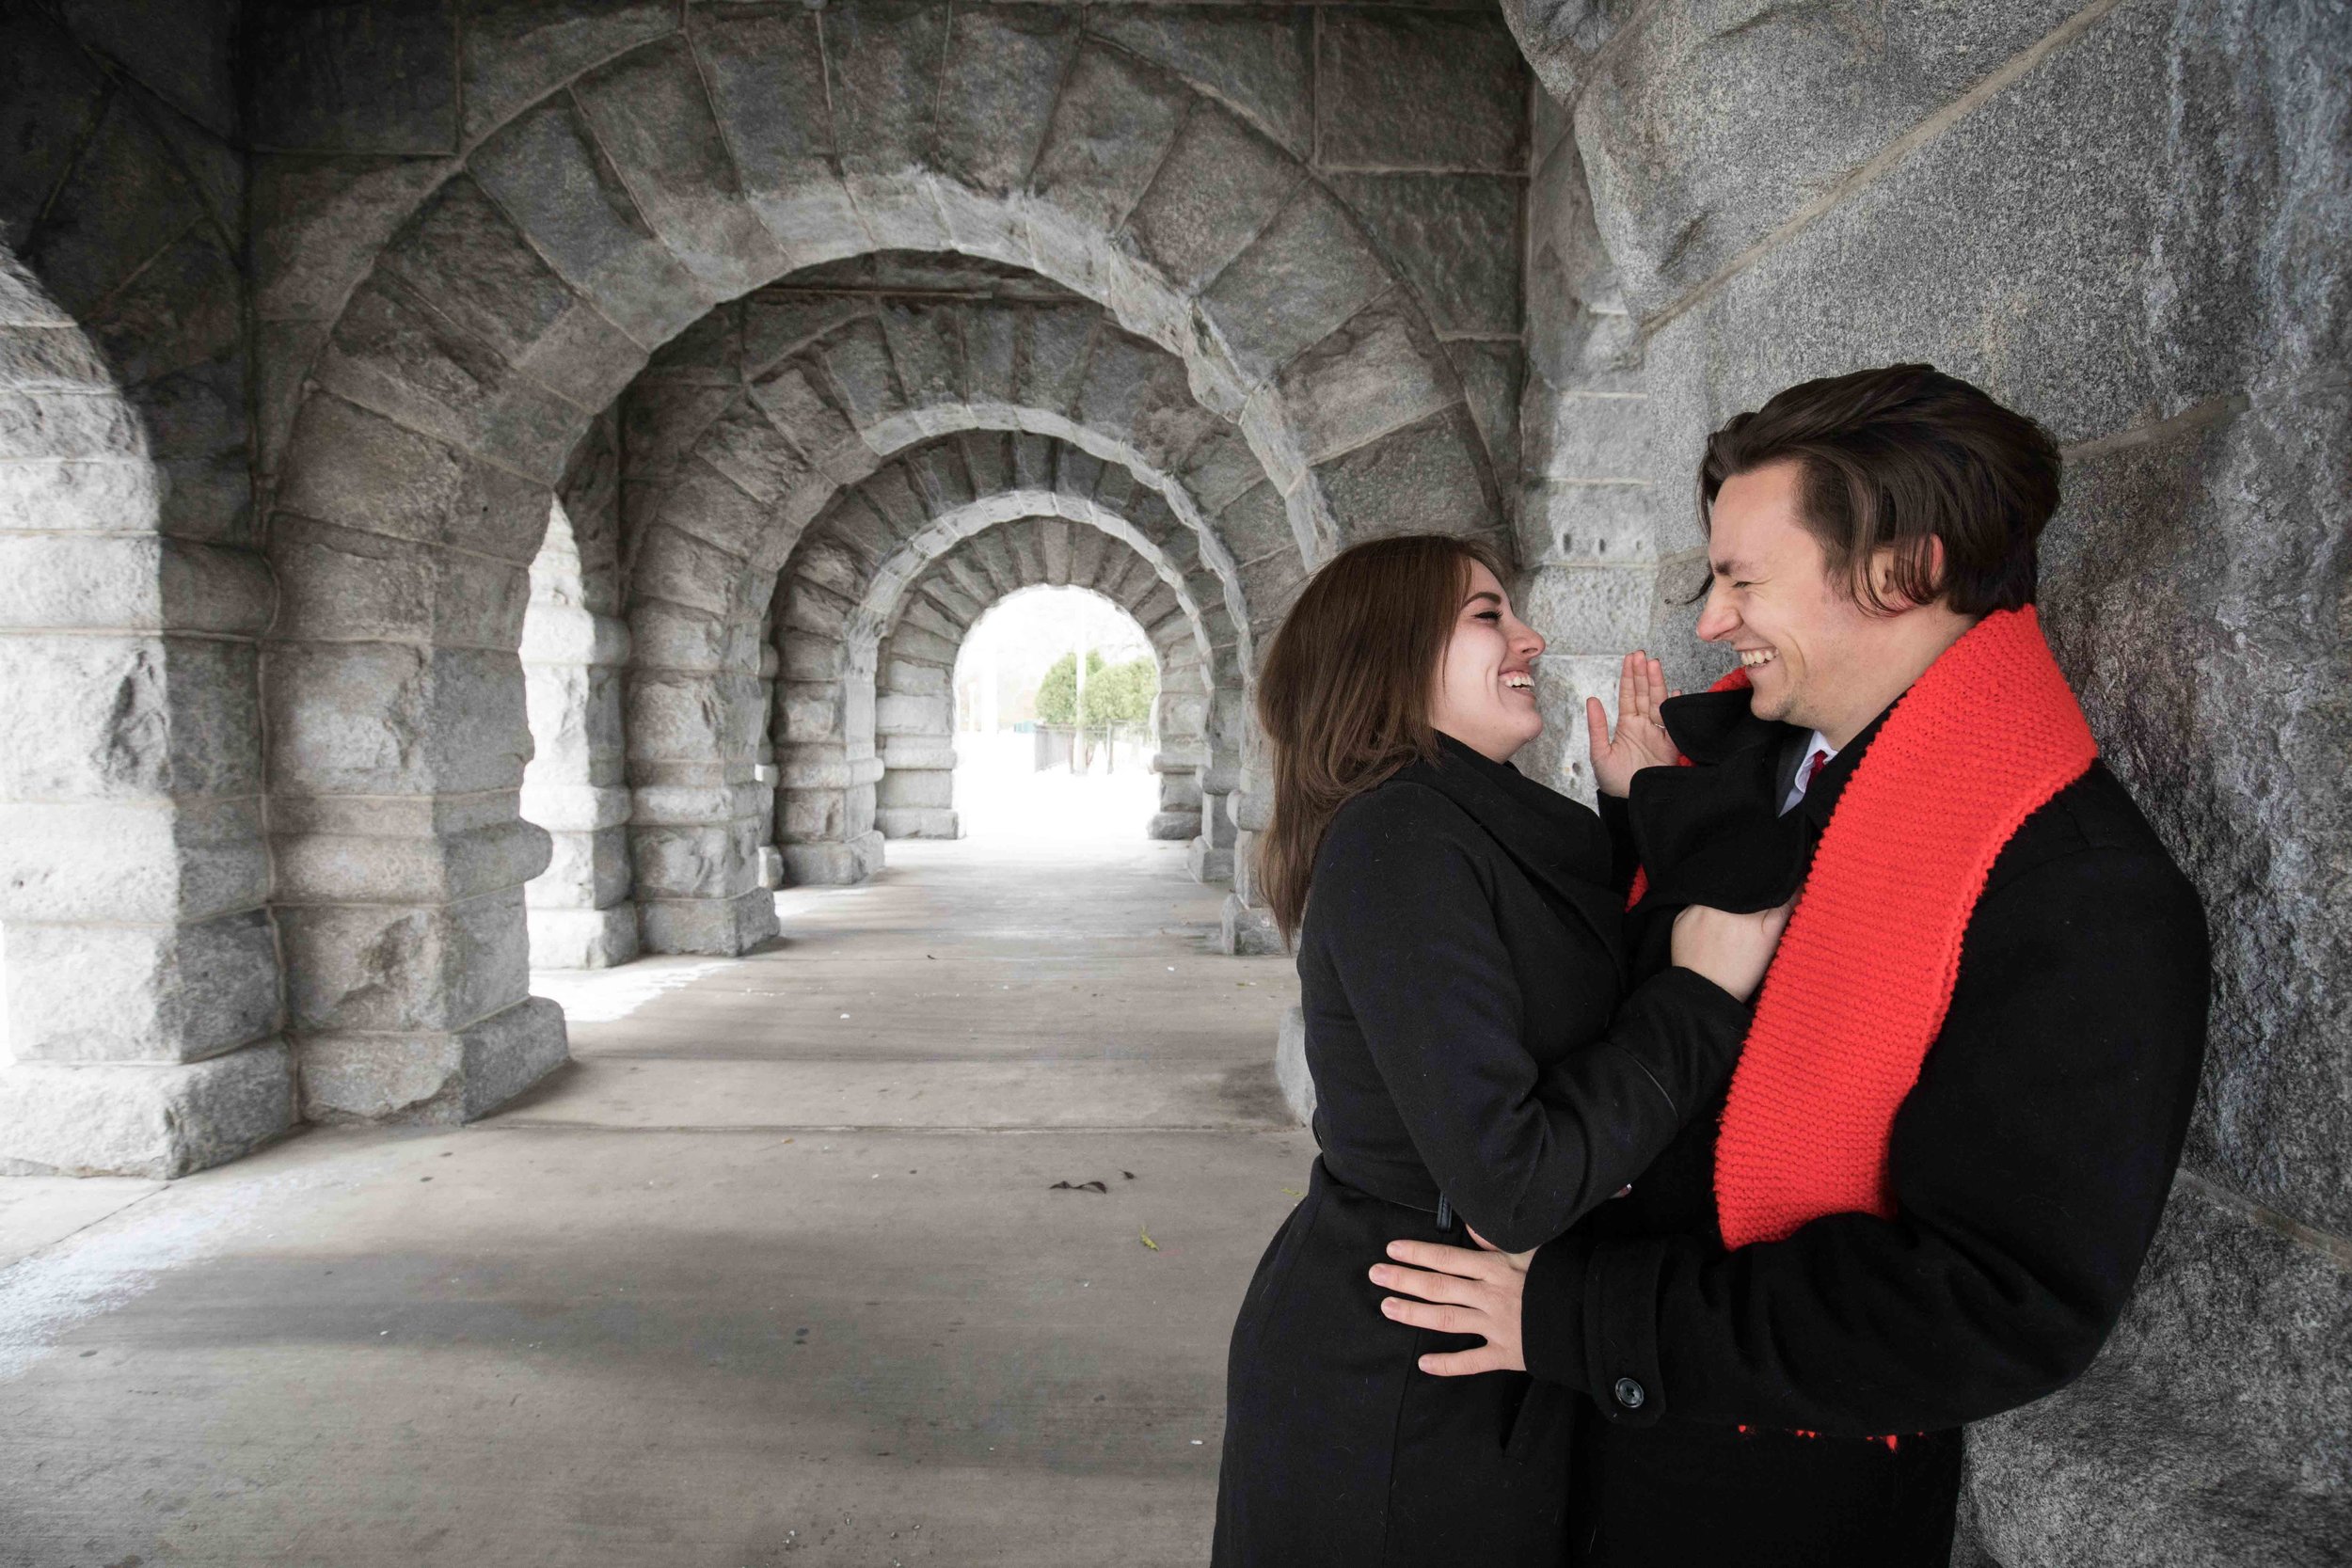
(1478, 1057)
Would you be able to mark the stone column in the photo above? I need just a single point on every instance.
(138, 967)
(914, 726)
(1179, 714)
(696, 828)
(764, 768)
(140, 990)
(398, 739)
(826, 766)
(581, 916)
(1247, 925)
(1210, 857)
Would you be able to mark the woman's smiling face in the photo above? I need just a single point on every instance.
(1486, 683)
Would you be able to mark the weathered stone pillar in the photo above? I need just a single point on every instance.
(914, 719)
(139, 989)
(1247, 925)
(764, 768)
(826, 766)
(696, 830)
(138, 969)
(398, 739)
(581, 916)
(1210, 857)
(1179, 715)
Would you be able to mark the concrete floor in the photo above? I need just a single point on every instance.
(775, 1272)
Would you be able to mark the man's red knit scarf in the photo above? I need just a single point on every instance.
(1858, 991)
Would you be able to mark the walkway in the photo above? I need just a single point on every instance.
(780, 1272)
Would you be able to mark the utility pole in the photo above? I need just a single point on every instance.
(1078, 729)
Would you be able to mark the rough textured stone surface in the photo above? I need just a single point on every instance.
(353, 78)
(1219, 184)
(1412, 89)
(1256, 61)
(432, 1078)
(652, 117)
(514, 50)
(2220, 548)
(1454, 237)
(1306, 273)
(2228, 1375)
(159, 993)
(158, 1121)
(1247, 930)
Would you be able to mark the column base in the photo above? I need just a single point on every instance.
(436, 1077)
(918, 822)
(1290, 1067)
(1207, 863)
(159, 1120)
(720, 927)
(1246, 930)
(833, 865)
(1174, 825)
(583, 939)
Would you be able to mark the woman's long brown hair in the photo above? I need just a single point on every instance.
(1343, 696)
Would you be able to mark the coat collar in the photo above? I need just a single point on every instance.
(1559, 844)
(1713, 833)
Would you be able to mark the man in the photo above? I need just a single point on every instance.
(1928, 1189)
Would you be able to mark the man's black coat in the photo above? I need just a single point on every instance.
(2031, 1164)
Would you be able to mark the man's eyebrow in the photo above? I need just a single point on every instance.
(1732, 568)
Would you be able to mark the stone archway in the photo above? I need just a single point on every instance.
(852, 570)
(836, 603)
(432, 332)
(915, 709)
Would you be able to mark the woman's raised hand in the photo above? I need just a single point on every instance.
(1732, 950)
(1640, 740)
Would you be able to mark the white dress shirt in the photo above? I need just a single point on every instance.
(1819, 746)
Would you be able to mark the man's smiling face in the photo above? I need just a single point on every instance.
(1806, 644)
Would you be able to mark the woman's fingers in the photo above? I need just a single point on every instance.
(1657, 683)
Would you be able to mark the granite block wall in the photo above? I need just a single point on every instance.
(2129, 220)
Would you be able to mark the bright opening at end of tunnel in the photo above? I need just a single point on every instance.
(1042, 756)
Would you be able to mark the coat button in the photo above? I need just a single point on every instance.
(1630, 1393)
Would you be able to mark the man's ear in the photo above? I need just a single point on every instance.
(1888, 574)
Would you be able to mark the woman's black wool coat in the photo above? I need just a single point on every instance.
(1735, 1406)
(1477, 1052)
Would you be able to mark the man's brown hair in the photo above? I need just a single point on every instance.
(1344, 694)
(1895, 457)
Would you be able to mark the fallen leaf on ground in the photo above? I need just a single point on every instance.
(1147, 1239)
(1077, 1187)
